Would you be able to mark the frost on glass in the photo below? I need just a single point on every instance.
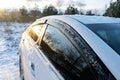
(60, 44)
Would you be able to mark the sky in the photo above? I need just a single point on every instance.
(61, 4)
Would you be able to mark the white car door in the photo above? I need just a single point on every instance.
(41, 68)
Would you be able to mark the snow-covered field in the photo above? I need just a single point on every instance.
(10, 34)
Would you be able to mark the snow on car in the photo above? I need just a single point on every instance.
(71, 48)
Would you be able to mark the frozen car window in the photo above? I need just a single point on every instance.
(35, 32)
(57, 42)
(109, 33)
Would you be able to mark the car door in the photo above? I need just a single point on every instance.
(29, 46)
(41, 68)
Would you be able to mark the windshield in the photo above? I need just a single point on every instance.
(110, 33)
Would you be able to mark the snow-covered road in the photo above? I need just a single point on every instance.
(10, 34)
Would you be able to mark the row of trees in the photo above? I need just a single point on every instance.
(113, 10)
(24, 15)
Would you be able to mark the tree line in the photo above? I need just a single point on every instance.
(113, 10)
(25, 15)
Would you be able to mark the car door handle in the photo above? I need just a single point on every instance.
(32, 66)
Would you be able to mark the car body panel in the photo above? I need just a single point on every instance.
(106, 54)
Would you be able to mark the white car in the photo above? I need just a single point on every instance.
(71, 48)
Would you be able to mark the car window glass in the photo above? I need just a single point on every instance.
(35, 32)
(58, 43)
(111, 31)
(103, 34)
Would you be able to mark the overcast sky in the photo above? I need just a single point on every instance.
(62, 4)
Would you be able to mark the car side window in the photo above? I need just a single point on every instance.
(35, 32)
(58, 48)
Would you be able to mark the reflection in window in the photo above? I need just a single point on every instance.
(57, 42)
(109, 32)
(35, 32)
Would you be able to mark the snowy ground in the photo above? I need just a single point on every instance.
(10, 34)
